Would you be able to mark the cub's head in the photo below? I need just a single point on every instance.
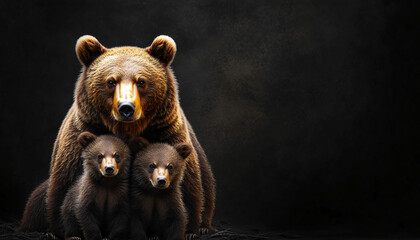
(125, 85)
(160, 165)
(105, 155)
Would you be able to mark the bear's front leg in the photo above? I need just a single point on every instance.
(208, 182)
(193, 198)
(173, 227)
(136, 228)
(89, 224)
(71, 224)
(55, 196)
(65, 167)
(118, 226)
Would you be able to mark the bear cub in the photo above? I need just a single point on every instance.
(97, 206)
(156, 200)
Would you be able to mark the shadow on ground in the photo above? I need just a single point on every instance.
(225, 232)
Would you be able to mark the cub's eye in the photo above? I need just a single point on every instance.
(117, 157)
(152, 166)
(100, 157)
(141, 83)
(111, 82)
(169, 167)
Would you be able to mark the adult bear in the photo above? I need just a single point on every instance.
(130, 92)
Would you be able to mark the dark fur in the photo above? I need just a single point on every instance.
(95, 205)
(158, 212)
(35, 215)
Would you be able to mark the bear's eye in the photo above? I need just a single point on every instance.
(152, 166)
(100, 157)
(141, 83)
(169, 167)
(117, 157)
(111, 82)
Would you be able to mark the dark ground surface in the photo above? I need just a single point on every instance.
(226, 231)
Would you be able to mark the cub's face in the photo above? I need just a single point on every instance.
(105, 155)
(126, 84)
(161, 165)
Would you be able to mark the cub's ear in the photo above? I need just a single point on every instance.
(137, 143)
(163, 48)
(88, 49)
(184, 149)
(85, 138)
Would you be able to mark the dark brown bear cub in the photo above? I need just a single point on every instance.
(156, 200)
(96, 206)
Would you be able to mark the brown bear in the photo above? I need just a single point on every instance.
(97, 206)
(129, 92)
(156, 199)
(35, 215)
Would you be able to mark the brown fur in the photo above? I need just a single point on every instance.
(161, 120)
(35, 215)
(158, 210)
(96, 206)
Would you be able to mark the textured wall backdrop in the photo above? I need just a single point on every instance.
(306, 109)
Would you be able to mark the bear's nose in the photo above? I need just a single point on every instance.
(161, 181)
(126, 109)
(109, 170)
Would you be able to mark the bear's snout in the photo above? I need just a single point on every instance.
(160, 178)
(109, 167)
(126, 106)
(126, 109)
(161, 182)
(109, 170)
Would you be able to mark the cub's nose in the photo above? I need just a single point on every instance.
(126, 109)
(161, 181)
(109, 170)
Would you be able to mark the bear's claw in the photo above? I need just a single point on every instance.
(204, 231)
(49, 235)
(191, 236)
(74, 238)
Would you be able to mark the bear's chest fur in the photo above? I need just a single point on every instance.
(154, 211)
(107, 201)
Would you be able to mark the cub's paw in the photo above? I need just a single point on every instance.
(74, 238)
(190, 236)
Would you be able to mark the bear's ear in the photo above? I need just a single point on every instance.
(88, 49)
(184, 149)
(85, 138)
(163, 48)
(137, 143)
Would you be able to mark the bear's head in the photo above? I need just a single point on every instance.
(125, 87)
(159, 165)
(104, 156)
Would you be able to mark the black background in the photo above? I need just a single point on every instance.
(307, 110)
